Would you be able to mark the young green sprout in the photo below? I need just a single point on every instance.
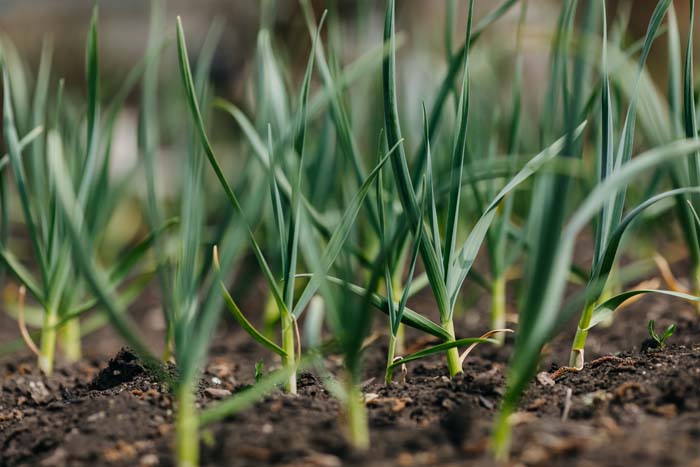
(59, 291)
(502, 253)
(447, 267)
(392, 283)
(660, 340)
(321, 262)
(289, 242)
(438, 262)
(610, 218)
(662, 124)
(349, 316)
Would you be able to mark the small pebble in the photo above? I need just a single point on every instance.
(217, 393)
(148, 460)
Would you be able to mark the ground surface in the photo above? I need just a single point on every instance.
(630, 407)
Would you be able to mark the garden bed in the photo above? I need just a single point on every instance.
(633, 407)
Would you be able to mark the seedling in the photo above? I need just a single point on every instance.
(447, 267)
(350, 319)
(660, 339)
(502, 252)
(58, 291)
(285, 300)
(609, 221)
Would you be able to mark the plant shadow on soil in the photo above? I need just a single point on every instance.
(632, 407)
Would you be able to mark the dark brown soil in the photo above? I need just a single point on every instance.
(626, 407)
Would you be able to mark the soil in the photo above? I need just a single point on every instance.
(632, 404)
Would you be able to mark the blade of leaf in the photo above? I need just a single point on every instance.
(92, 77)
(73, 219)
(12, 141)
(605, 310)
(335, 243)
(440, 348)
(467, 254)
(23, 143)
(459, 148)
(399, 164)
(186, 75)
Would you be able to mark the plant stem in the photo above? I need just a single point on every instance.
(271, 316)
(396, 342)
(48, 341)
(453, 363)
(389, 374)
(169, 344)
(356, 413)
(498, 306)
(610, 290)
(69, 335)
(500, 438)
(576, 358)
(398, 291)
(288, 345)
(187, 436)
(400, 340)
(695, 286)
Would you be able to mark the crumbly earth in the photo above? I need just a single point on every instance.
(628, 406)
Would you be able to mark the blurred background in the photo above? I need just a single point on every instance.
(124, 27)
(124, 30)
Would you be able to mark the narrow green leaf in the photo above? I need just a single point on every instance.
(418, 238)
(22, 274)
(430, 191)
(243, 321)
(606, 157)
(607, 259)
(439, 349)
(624, 151)
(674, 72)
(295, 219)
(276, 200)
(670, 330)
(605, 310)
(23, 143)
(92, 77)
(652, 332)
(689, 111)
(399, 165)
(341, 233)
(458, 150)
(15, 152)
(186, 75)
(36, 163)
(409, 318)
(74, 221)
(467, 254)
